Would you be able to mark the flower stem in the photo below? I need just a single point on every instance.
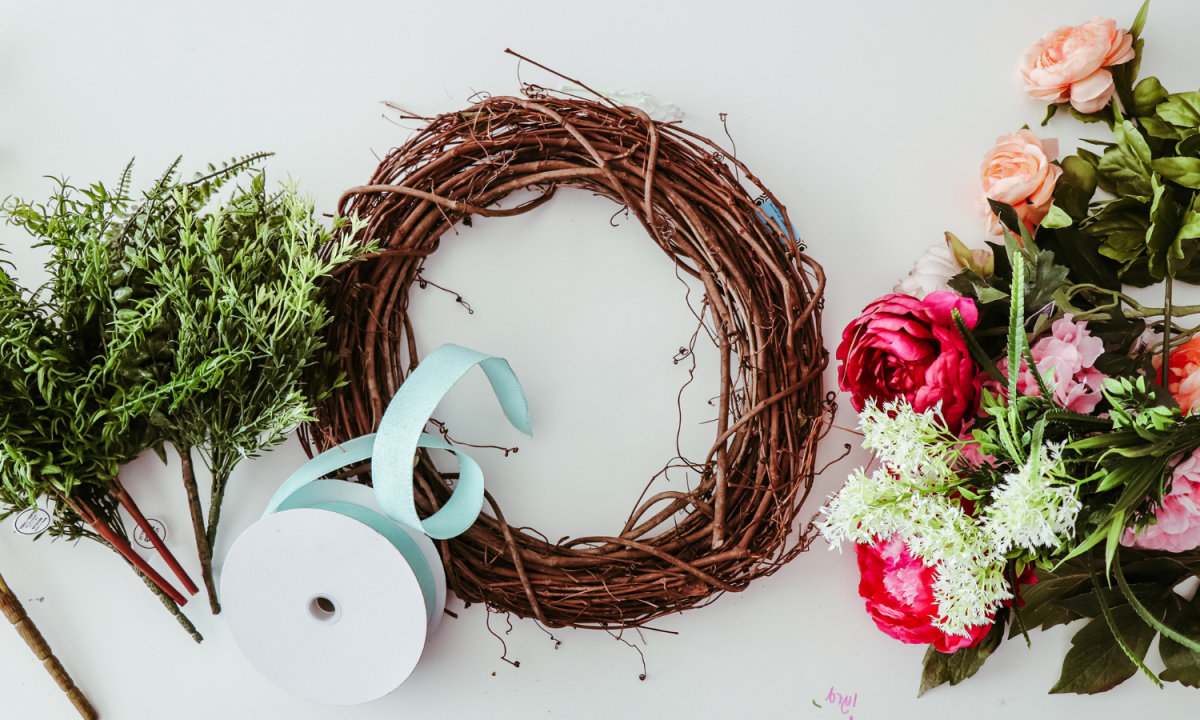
(1166, 351)
(122, 546)
(203, 548)
(220, 478)
(135, 512)
(171, 607)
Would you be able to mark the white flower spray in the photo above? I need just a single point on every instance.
(1035, 506)
(911, 495)
(908, 497)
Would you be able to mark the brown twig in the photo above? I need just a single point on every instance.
(678, 550)
(15, 612)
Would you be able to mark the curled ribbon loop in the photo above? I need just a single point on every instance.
(402, 432)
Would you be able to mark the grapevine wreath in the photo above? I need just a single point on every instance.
(764, 295)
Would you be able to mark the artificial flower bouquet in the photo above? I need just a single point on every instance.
(1037, 457)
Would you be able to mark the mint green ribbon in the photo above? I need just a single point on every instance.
(402, 432)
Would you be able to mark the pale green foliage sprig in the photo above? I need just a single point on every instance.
(242, 285)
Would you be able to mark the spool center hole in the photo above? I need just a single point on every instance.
(323, 609)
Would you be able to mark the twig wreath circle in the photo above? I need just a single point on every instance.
(765, 299)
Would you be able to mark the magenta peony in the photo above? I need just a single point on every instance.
(901, 347)
(1070, 350)
(898, 589)
(1178, 527)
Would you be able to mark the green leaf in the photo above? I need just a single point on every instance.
(1148, 617)
(1139, 22)
(1124, 169)
(1057, 218)
(977, 352)
(1162, 242)
(1047, 278)
(1096, 663)
(1190, 225)
(1016, 329)
(991, 294)
(953, 668)
(1147, 96)
(1053, 108)
(1075, 188)
(1008, 216)
(1183, 665)
(1183, 170)
(1181, 109)
(1103, 115)
(1121, 227)
(1155, 127)
(1081, 255)
(1188, 146)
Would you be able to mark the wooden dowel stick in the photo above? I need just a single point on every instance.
(15, 612)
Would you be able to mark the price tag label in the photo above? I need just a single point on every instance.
(32, 521)
(143, 540)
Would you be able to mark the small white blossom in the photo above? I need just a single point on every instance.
(1031, 507)
(916, 446)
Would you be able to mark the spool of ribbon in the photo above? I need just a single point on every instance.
(333, 593)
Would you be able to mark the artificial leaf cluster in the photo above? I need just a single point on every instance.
(191, 314)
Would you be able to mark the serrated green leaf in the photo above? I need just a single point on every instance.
(1096, 663)
(1183, 170)
(1181, 109)
(940, 668)
(1155, 127)
(1182, 664)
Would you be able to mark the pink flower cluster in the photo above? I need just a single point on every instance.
(1178, 527)
(1070, 351)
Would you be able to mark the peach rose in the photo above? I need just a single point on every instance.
(1067, 64)
(1018, 172)
(1183, 381)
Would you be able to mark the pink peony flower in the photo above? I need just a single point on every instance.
(1183, 382)
(1071, 351)
(901, 347)
(898, 589)
(1018, 172)
(1178, 527)
(1066, 65)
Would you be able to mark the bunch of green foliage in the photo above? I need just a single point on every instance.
(181, 316)
(240, 285)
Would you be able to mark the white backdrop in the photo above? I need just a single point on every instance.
(869, 119)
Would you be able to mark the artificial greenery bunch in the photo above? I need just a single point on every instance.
(240, 285)
(1037, 427)
(189, 315)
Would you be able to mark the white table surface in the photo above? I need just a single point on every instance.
(869, 119)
